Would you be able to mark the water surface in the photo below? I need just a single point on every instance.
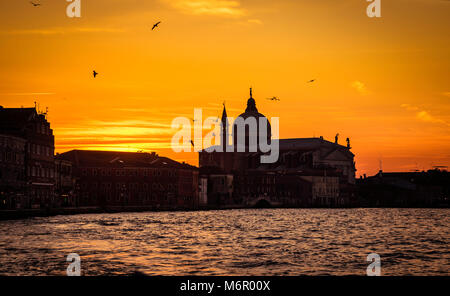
(234, 242)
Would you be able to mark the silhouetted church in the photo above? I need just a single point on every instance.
(309, 171)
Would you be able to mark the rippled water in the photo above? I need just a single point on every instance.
(233, 242)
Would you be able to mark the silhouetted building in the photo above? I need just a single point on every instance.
(309, 171)
(64, 183)
(124, 179)
(12, 172)
(33, 127)
(405, 189)
(216, 187)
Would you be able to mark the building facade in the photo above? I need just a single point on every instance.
(64, 183)
(405, 189)
(12, 172)
(308, 172)
(123, 179)
(39, 168)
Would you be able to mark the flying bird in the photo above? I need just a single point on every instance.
(94, 73)
(311, 81)
(273, 99)
(35, 4)
(155, 25)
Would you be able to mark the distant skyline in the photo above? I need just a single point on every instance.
(381, 82)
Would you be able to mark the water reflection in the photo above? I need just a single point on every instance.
(235, 242)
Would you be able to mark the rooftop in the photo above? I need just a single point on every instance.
(93, 158)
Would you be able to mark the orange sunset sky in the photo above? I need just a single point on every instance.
(382, 82)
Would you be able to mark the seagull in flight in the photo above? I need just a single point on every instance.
(35, 4)
(311, 81)
(94, 73)
(273, 99)
(155, 25)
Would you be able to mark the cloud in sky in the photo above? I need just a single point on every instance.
(423, 115)
(29, 94)
(360, 87)
(409, 107)
(115, 135)
(61, 31)
(255, 21)
(427, 117)
(228, 8)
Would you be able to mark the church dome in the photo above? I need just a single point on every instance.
(252, 111)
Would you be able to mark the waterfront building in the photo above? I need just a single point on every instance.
(126, 179)
(309, 171)
(64, 183)
(12, 172)
(32, 126)
(405, 189)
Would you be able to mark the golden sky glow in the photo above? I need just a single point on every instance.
(382, 82)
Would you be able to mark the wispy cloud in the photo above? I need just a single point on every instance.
(424, 115)
(229, 8)
(115, 135)
(29, 94)
(61, 31)
(360, 87)
(409, 107)
(255, 21)
(427, 117)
